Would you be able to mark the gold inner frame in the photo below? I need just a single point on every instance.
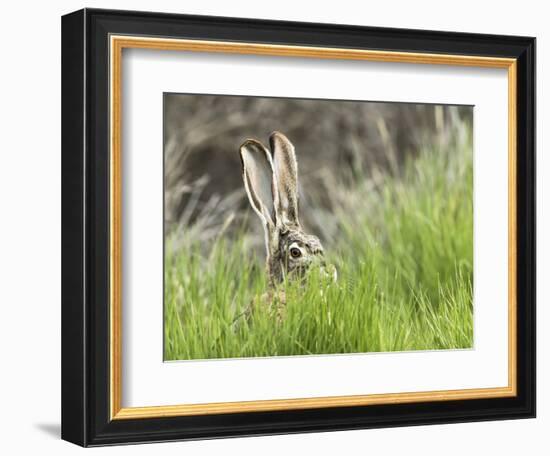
(117, 44)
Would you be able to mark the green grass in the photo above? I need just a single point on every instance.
(404, 255)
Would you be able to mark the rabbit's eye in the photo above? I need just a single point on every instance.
(295, 252)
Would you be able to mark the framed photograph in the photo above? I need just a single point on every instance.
(277, 227)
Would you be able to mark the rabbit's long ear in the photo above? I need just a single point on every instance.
(286, 175)
(259, 181)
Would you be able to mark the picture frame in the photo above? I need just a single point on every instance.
(93, 42)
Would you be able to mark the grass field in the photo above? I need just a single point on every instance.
(404, 255)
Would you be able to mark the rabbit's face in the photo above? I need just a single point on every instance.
(299, 251)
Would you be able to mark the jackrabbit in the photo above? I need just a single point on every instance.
(271, 183)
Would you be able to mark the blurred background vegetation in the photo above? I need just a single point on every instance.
(387, 187)
(337, 143)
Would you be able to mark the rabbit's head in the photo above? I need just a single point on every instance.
(271, 183)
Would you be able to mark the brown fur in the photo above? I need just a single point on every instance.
(271, 183)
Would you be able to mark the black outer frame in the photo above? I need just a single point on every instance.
(85, 227)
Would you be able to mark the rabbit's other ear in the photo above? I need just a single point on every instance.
(286, 176)
(259, 181)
